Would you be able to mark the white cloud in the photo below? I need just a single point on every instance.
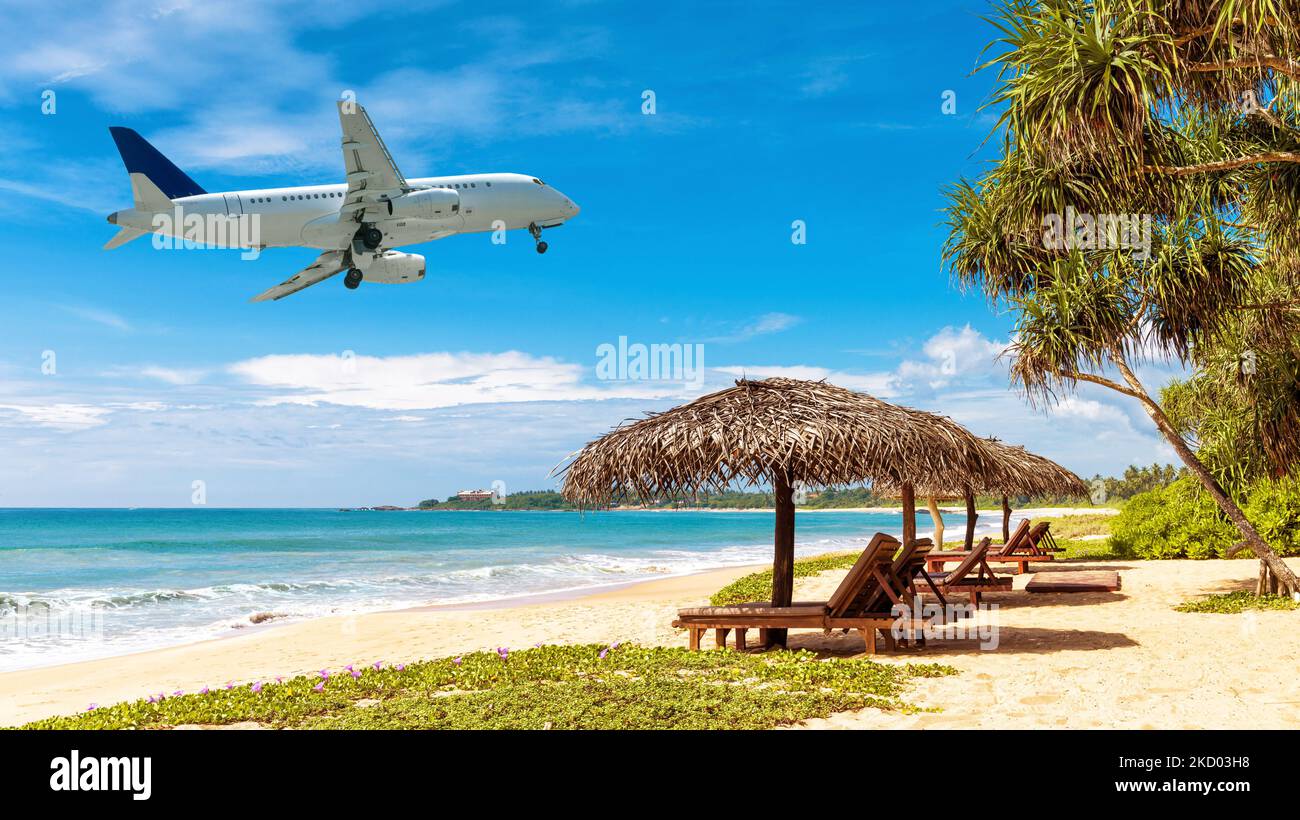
(432, 380)
(59, 415)
(172, 375)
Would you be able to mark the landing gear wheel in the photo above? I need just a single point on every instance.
(352, 278)
(541, 247)
(371, 237)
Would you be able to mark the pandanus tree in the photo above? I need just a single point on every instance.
(1146, 208)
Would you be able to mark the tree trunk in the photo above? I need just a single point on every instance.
(1006, 520)
(909, 513)
(937, 517)
(1285, 578)
(783, 559)
(971, 518)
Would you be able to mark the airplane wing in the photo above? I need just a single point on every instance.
(373, 177)
(325, 266)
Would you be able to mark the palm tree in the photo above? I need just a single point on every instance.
(1147, 196)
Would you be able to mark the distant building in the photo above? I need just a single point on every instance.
(474, 495)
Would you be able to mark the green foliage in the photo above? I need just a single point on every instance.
(1232, 603)
(1274, 508)
(1178, 521)
(1181, 521)
(562, 687)
(1139, 480)
(527, 500)
(757, 586)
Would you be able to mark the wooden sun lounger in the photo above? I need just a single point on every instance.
(961, 579)
(1026, 545)
(862, 601)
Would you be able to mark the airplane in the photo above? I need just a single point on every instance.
(356, 225)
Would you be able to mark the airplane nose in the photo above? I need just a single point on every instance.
(112, 218)
(573, 207)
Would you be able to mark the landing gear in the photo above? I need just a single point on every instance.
(352, 278)
(537, 237)
(371, 237)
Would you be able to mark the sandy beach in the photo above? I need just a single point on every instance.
(1088, 660)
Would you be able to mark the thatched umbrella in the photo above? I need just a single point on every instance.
(1020, 473)
(780, 432)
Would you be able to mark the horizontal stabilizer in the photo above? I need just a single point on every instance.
(123, 236)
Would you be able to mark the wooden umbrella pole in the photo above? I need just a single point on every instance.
(1006, 520)
(971, 518)
(909, 513)
(783, 559)
(937, 517)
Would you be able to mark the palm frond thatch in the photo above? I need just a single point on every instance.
(802, 431)
(1021, 473)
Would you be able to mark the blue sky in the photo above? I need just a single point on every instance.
(766, 113)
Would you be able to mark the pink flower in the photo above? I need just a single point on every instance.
(456, 661)
(257, 687)
(320, 687)
(355, 674)
(377, 665)
(203, 691)
(152, 699)
(177, 693)
(92, 707)
(325, 674)
(401, 667)
(279, 679)
(603, 653)
(230, 684)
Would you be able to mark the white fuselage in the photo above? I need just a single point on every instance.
(310, 216)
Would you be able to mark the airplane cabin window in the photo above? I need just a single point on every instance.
(538, 181)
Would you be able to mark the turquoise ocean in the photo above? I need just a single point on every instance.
(84, 583)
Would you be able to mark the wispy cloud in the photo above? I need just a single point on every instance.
(764, 325)
(99, 316)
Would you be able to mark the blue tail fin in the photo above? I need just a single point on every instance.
(142, 158)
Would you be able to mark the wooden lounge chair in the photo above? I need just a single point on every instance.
(862, 601)
(961, 579)
(1025, 546)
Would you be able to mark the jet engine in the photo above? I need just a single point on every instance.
(391, 267)
(429, 203)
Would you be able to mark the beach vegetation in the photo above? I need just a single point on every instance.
(1234, 603)
(591, 686)
(1182, 521)
(1171, 131)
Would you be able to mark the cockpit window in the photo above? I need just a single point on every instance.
(538, 181)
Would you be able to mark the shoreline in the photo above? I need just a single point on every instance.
(304, 646)
(1131, 659)
(560, 595)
